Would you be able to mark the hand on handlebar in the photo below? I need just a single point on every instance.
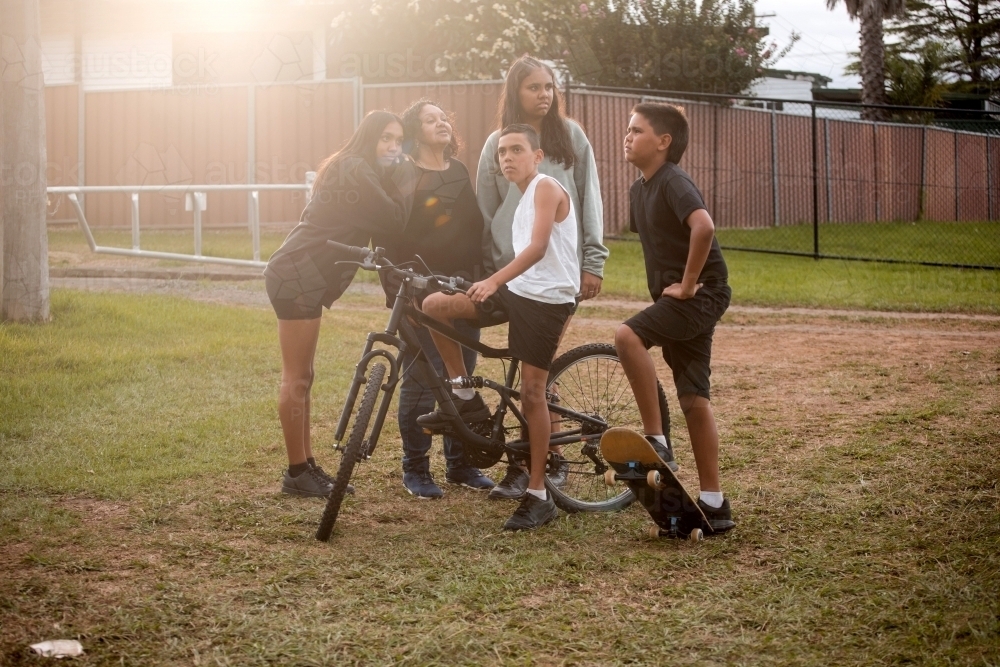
(482, 290)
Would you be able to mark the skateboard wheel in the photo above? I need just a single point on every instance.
(696, 535)
(654, 532)
(609, 477)
(654, 480)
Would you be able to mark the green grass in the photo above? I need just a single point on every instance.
(968, 243)
(761, 279)
(757, 279)
(141, 456)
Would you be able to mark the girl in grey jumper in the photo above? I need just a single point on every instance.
(529, 96)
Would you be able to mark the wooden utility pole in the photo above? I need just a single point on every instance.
(24, 266)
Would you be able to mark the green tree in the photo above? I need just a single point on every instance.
(421, 40)
(711, 45)
(967, 34)
(913, 79)
(870, 15)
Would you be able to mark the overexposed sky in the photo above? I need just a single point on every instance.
(827, 37)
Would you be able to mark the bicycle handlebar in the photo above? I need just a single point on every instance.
(354, 252)
(373, 260)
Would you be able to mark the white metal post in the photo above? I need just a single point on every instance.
(255, 224)
(135, 221)
(196, 206)
(195, 201)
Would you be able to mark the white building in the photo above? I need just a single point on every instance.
(795, 86)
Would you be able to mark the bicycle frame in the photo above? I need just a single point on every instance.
(399, 334)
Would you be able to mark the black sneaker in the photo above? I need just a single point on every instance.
(469, 477)
(512, 486)
(471, 411)
(558, 469)
(665, 452)
(326, 477)
(720, 519)
(308, 484)
(532, 513)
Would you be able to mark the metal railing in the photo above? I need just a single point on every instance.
(812, 178)
(196, 197)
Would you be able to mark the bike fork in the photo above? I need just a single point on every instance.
(360, 379)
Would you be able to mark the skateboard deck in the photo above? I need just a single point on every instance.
(635, 462)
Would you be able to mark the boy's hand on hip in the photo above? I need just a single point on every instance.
(590, 285)
(482, 290)
(677, 291)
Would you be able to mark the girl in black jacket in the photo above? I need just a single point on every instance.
(354, 197)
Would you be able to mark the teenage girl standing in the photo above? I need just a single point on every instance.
(352, 199)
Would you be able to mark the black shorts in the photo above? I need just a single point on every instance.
(292, 306)
(684, 330)
(535, 327)
(300, 284)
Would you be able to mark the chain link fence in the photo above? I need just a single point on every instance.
(816, 179)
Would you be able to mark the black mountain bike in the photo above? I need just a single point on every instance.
(587, 394)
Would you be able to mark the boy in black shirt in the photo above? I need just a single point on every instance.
(687, 280)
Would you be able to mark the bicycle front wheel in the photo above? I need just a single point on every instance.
(590, 380)
(352, 452)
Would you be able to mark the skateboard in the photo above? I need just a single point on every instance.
(635, 462)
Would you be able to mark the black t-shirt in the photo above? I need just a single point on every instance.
(657, 210)
(445, 226)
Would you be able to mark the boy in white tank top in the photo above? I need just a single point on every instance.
(536, 293)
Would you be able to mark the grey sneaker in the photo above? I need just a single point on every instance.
(721, 518)
(532, 513)
(512, 486)
(327, 478)
(469, 477)
(308, 484)
(558, 469)
(664, 452)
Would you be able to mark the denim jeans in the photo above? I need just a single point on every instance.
(416, 399)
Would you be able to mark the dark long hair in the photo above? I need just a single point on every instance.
(556, 141)
(412, 125)
(361, 144)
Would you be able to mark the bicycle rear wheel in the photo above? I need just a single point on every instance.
(590, 380)
(352, 451)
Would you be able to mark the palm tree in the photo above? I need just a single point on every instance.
(871, 14)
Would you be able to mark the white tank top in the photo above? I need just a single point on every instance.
(556, 277)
